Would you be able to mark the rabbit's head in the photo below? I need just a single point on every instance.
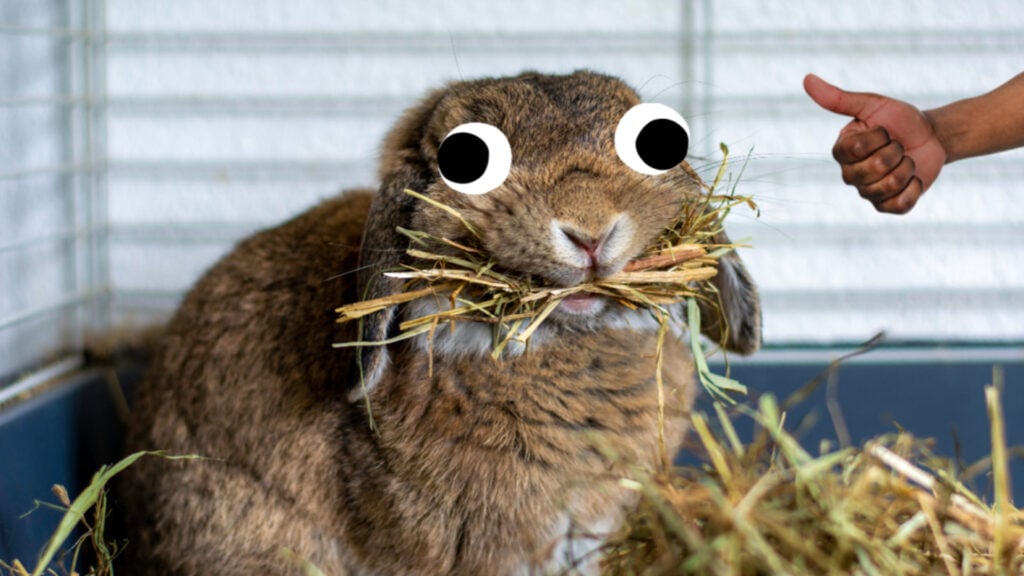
(560, 186)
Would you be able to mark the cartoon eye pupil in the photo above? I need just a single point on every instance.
(662, 144)
(462, 157)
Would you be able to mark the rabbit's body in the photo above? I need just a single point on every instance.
(476, 466)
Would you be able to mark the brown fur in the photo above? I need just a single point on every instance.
(477, 466)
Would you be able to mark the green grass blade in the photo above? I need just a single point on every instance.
(85, 501)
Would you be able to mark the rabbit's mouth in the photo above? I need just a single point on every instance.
(579, 312)
(582, 304)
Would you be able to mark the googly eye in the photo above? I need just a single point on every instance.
(474, 158)
(651, 138)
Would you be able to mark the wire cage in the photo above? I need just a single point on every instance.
(52, 186)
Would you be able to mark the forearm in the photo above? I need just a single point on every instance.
(985, 124)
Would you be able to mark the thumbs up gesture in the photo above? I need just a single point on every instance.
(889, 151)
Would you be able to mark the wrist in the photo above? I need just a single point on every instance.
(948, 131)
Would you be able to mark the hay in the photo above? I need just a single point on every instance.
(771, 507)
(89, 510)
(676, 267)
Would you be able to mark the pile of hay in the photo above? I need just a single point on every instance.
(771, 507)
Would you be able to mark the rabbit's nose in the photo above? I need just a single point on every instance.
(590, 250)
(586, 248)
(588, 244)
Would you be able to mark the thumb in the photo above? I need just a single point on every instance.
(829, 97)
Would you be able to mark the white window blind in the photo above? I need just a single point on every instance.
(142, 138)
(832, 269)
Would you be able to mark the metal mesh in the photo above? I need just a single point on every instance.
(52, 270)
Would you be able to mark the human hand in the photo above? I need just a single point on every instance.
(889, 151)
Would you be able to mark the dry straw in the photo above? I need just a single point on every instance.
(771, 507)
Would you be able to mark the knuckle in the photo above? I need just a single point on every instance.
(881, 164)
(864, 174)
(856, 148)
(860, 147)
(841, 151)
(895, 182)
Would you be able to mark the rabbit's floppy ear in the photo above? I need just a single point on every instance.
(402, 167)
(738, 327)
(732, 316)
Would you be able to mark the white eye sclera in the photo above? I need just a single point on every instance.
(652, 138)
(474, 158)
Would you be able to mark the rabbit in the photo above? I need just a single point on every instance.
(425, 455)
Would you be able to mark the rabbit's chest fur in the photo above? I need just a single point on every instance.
(518, 454)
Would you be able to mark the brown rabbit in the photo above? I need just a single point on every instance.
(475, 466)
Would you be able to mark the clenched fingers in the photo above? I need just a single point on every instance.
(891, 184)
(875, 167)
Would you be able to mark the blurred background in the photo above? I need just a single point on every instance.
(139, 139)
